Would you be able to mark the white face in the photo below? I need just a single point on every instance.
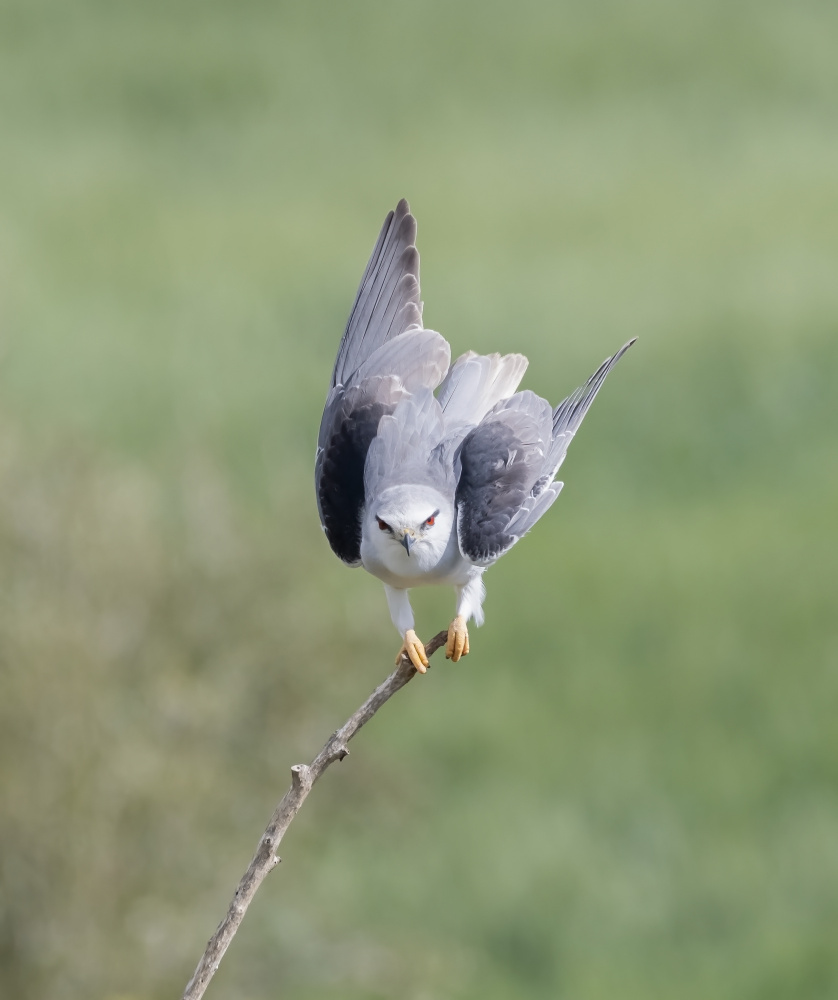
(409, 527)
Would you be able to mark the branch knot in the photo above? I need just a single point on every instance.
(300, 777)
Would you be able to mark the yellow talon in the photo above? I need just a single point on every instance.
(457, 644)
(415, 650)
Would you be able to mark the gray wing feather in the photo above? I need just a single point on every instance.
(499, 503)
(569, 414)
(500, 461)
(409, 447)
(387, 302)
(420, 359)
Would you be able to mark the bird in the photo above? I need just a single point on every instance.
(427, 472)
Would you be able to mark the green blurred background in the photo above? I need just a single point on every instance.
(630, 788)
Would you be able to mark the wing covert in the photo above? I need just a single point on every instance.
(507, 481)
(350, 422)
(500, 461)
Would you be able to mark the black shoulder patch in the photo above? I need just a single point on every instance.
(340, 483)
(492, 486)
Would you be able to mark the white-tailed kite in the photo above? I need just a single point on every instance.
(424, 489)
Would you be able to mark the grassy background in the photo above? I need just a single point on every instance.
(629, 788)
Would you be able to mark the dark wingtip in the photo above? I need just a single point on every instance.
(609, 362)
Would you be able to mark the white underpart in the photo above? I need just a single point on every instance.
(470, 599)
(401, 612)
(434, 558)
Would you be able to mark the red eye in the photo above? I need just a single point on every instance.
(383, 524)
(431, 520)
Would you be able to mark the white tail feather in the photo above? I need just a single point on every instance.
(476, 383)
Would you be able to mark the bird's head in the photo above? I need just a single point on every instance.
(412, 522)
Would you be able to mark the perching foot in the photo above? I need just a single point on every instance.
(415, 650)
(457, 644)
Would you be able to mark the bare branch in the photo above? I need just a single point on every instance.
(303, 777)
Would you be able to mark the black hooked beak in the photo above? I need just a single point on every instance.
(407, 541)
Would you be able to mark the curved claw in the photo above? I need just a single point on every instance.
(415, 650)
(457, 644)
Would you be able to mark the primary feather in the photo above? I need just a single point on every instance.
(387, 302)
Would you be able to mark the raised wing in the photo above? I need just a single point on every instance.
(384, 355)
(387, 302)
(507, 478)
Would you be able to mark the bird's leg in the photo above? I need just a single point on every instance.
(457, 644)
(469, 605)
(415, 649)
(402, 615)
